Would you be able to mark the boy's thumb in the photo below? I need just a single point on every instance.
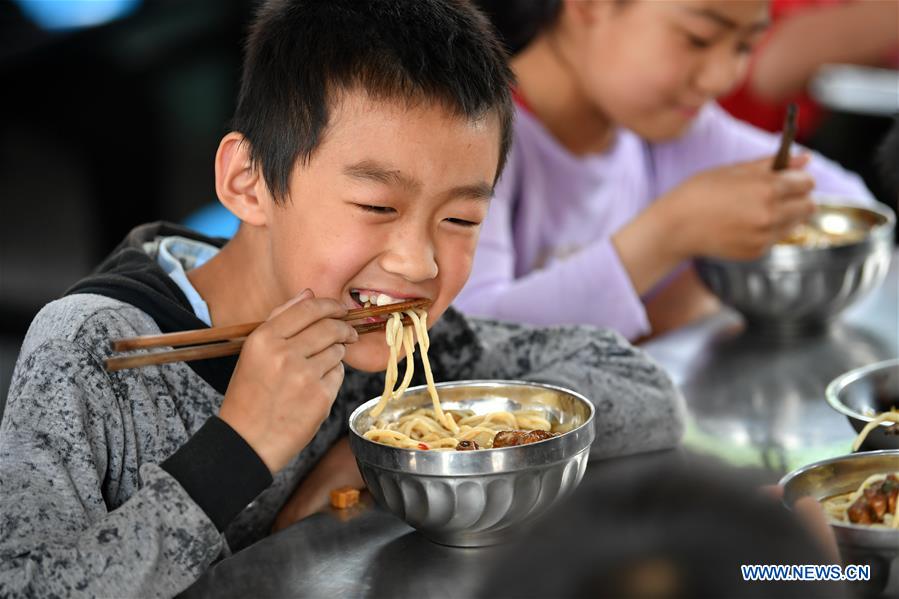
(302, 295)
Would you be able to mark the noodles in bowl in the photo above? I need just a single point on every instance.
(531, 443)
(475, 498)
(837, 483)
(876, 501)
(434, 428)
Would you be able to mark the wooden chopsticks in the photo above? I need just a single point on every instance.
(782, 159)
(225, 341)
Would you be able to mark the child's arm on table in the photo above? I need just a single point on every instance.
(637, 407)
(336, 469)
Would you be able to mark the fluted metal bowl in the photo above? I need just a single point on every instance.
(858, 544)
(797, 289)
(475, 498)
(864, 393)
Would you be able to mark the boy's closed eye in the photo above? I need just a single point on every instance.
(375, 209)
(463, 223)
(389, 211)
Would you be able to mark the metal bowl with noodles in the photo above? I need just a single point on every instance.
(805, 280)
(476, 498)
(830, 480)
(863, 395)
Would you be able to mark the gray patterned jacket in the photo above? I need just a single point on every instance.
(85, 508)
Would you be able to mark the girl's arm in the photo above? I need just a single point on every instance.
(589, 287)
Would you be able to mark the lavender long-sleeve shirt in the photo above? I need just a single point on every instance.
(545, 255)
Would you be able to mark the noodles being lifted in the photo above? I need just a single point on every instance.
(891, 416)
(876, 501)
(434, 428)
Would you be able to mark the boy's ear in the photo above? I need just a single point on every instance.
(238, 185)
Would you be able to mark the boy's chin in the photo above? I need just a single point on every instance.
(367, 356)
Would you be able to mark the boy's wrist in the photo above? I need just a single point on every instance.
(254, 437)
(219, 470)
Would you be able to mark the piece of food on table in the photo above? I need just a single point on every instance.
(344, 497)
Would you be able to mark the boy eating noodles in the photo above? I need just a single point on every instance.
(366, 143)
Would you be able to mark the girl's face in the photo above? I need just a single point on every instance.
(390, 203)
(650, 65)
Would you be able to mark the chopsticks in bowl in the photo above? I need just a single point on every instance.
(226, 341)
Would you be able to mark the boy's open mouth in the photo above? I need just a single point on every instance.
(364, 298)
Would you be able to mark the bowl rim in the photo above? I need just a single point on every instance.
(475, 463)
(788, 257)
(787, 478)
(832, 392)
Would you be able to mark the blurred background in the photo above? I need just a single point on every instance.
(112, 111)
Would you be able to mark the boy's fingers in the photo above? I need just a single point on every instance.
(300, 315)
(327, 359)
(322, 334)
(333, 379)
(302, 295)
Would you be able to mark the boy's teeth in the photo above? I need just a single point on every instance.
(363, 297)
(384, 300)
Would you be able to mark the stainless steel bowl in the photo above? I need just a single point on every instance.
(474, 498)
(864, 393)
(858, 544)
(795, 289)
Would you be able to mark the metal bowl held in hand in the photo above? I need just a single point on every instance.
(864, 393)
(858, 543)
(475, 498)
(800, 286)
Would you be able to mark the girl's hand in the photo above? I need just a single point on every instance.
(287, 377)
(734, 212)
(336, 469)
(738, 212)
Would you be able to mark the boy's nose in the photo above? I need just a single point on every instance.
(411, 257)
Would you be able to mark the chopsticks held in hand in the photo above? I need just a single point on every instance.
(782, 159)
(226, 341)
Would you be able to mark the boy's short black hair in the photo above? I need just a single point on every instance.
(301, 53)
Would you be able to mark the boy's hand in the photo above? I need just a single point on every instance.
(738, 212)
(287, 377)
(336, 469)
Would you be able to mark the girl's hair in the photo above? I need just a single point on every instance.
(302, 54)
(517, 22)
